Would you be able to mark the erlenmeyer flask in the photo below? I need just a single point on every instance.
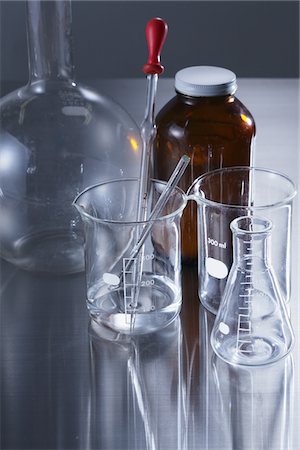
(57, 137)
(252, 326)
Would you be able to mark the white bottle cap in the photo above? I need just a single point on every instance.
(205, 81)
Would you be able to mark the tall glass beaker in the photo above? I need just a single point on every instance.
(109, 212)
(228, 193)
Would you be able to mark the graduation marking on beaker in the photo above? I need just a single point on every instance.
(216, 243)
(128, 277)
(148, 257)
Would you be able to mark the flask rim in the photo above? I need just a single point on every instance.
(257, 222)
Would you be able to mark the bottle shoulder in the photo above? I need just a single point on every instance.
(205, 117)
(184, 111)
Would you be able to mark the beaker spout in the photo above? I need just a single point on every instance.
(192, 197)
(80, 208)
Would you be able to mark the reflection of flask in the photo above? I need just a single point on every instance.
(252, 325)
(259, 414)
(206, 121)
(57, 137)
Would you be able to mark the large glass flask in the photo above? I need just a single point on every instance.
(252, 327)
(57, 137)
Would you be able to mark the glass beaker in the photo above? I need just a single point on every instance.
(252, 325)
(109, 212)
(57, 137)
(228, 193)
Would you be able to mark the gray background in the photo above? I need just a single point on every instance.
(253, 38)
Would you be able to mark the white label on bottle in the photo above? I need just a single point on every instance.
(111, 278)
(224, 328)
(216, 268)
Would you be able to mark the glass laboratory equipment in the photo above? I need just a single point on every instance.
(225, 194)
(109, 212)
(208, 123)
(252, 327)
(57, 138)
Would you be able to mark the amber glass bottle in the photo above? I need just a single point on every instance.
(209, 124)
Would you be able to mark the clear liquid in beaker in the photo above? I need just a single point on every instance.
(158, 303)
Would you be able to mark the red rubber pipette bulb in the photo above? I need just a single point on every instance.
(156, 33)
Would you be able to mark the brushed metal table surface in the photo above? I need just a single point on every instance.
(65, 385)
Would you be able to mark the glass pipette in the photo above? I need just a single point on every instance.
(156, 32)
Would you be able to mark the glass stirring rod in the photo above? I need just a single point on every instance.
(160, 204)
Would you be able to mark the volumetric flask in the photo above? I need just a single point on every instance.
(57, 137)
(109, 212)
(252, 325)
(228, 193)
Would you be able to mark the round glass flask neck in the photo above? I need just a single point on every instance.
(251, 236)
(49, 45)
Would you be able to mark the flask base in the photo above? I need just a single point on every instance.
(54, 251)
(252, 351)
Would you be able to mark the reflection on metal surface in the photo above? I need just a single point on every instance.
(190, 328)
(137, 390)
(44, 362)
(244, 408)
(162, 391)
(214, 425)
(259, 403)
